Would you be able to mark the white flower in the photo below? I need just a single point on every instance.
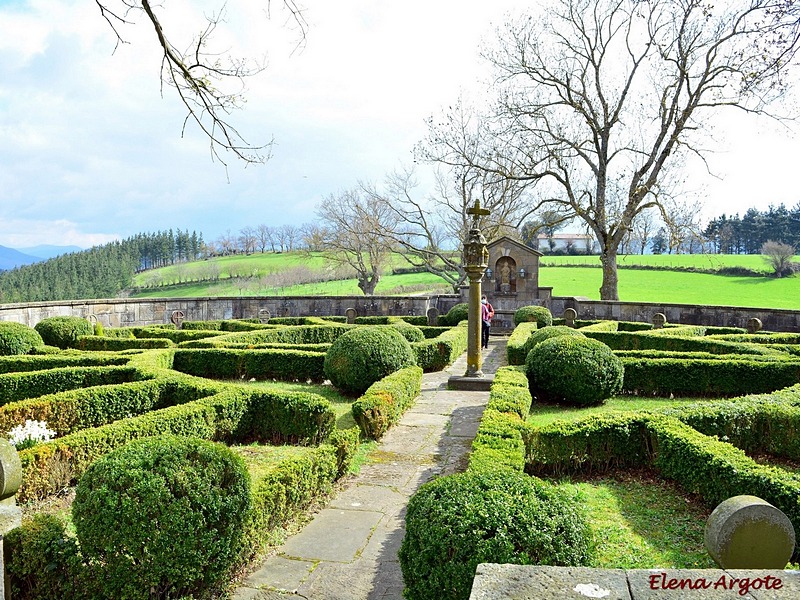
(28, 435)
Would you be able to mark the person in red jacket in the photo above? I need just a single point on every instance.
(487, 314)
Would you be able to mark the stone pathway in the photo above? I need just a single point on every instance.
(349, 550)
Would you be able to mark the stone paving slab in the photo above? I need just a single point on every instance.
(368, 497)
(366, 580)
(393, 475)
(425, 420)
(282, 573)
(345, 533)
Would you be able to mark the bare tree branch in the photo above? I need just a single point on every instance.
(199, 76)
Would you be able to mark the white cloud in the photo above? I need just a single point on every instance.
(88, 147)
(22, 233)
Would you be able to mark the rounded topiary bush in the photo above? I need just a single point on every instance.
(540, 314)
(16, 338)
(164, 514)
(410, 332)
(575, 370)
(547, 333)
(63, 332)
(363, 355)
(454, 523)
(454, 316)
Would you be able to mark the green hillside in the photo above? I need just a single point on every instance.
(301, 274)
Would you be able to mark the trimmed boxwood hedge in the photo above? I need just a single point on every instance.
(435, 354)
(19, 386)
(63, 332)
(112, 344)
(707, 377)
(519, 343)
(575, 370)
(701, 464)
(301, 334)
(454, 316)
(538, 314)
(70, 411)
(365, 355)
(43, 562)
(233, 415)
(18, 364)
(647, 340)
(498, 441)
(227, 363)
(17, 338)
(195, 492)
(454, 523)
(386, 400)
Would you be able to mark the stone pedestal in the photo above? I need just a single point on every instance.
(746, 532)
(10, 513)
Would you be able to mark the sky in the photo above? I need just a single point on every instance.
(90, 150)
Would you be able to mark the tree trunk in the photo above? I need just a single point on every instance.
(368, 284)
(609, 287)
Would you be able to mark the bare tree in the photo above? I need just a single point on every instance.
(428, 229)
(598, 98)
(263, 236)
(313, 237)
(247, 239)
(682, 225)
(201, 75)
(226, 243)
(779, 257)
(352, 224)
(290, 234)
(643, 228)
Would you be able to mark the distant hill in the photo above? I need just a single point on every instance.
(10, 258)
(45, 251)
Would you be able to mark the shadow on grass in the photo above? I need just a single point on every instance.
(642, 521)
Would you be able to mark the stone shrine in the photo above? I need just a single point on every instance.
(511, 281)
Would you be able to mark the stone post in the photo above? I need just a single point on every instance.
(10, 513)
(476, 258)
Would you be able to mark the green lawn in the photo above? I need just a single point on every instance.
(641, 522)
(544, 414)
(677, 287)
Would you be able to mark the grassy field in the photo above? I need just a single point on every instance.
(754, 262)
(677, 287)
(258, 274)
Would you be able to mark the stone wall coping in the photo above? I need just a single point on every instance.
(500, 582)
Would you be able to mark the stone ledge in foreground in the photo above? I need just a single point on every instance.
(518, 582)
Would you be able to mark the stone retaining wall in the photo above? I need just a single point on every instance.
(690, 314)
(147, 311)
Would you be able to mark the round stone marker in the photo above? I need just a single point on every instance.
(746, 532)
(754, 325)
(659, 320)
(570, 315)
